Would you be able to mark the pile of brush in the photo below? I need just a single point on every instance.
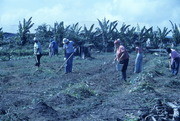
(162, 112)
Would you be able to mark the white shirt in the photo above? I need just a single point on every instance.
(37, 48)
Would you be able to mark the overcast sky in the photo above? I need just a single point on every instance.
(144, 12)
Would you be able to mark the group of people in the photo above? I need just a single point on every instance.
(122, 58)
(53, 49)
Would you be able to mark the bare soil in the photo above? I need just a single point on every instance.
(93, 92)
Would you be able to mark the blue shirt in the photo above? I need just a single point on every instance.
(69, 47)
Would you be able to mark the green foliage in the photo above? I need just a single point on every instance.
(106, 31)
(144, 34)
(59, 32)
(1, 34)
(176, 33)
(43, 33)
(131, 117)
(88, 35)
(162, 35)
(124, 34)
(24, 30)
(74, 33)
(79, 90)
(101, 37)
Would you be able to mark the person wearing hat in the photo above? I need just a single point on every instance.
(122, 57)
(116, 44)
(37, 51)
(68, 51)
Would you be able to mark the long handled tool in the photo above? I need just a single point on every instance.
(65, 62)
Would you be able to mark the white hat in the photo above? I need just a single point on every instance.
(65, 40)
(35, 39)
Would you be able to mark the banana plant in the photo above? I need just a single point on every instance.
(106, 31)
(123, 33)
(44, 32)
(162, 33)
(176, 33)
(144, 34)
(74, 33)
(130, 36)
(88, 34)
(24, 30)
(59, 32)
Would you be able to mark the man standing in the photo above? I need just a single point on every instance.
(139, 58)
(175, 60)
(37, 51)
(53, 48)
(68, 51)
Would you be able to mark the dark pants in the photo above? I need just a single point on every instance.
(124, 68)
(38, 57)
(69, 62)
(175, 66)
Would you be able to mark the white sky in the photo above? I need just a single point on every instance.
(144, 12)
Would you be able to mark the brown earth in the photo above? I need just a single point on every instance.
(93, 92)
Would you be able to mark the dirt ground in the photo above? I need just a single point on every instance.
(93, 92)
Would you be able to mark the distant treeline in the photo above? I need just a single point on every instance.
(101, 37)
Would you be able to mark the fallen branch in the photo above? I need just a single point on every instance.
(176, 116)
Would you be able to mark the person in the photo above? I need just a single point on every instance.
(68, 51)
(53, 48)
(175, 60)
(116, 44)
(122, 57)
(37, 51)
(139, 58)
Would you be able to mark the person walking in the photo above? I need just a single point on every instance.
(68, 51)
(122, 57)
(37, 51)
(175, 60)
(139, 58)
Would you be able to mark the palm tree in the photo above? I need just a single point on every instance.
(24, 30)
